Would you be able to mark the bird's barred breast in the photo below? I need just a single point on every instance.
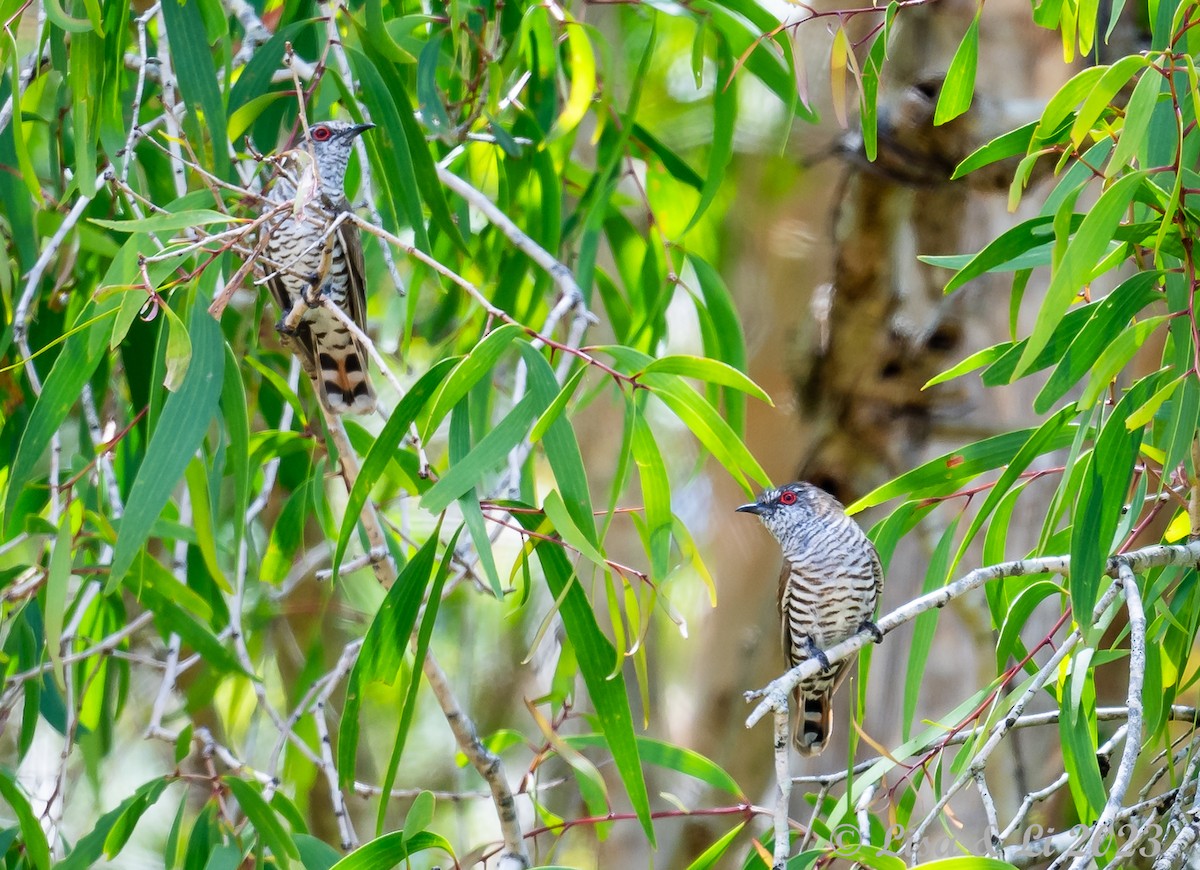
(831, 588)
(296, 248)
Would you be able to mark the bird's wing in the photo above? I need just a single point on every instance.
(785, 573)
(356, 292)
(876, 569)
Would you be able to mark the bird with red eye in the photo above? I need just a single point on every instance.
(314, 257)
(828, 588)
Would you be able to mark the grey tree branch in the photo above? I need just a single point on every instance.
(783, 790)
(777, 691)
(774, 697)
(1133, 725)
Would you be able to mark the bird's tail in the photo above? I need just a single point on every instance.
(343, 382)
(814, 719)
(337, 363)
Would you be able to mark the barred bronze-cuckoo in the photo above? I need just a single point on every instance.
(828, 590)
(309, 258)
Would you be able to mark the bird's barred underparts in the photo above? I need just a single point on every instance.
(828, 589)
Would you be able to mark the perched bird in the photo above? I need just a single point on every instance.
(307, 261)
(828, 590)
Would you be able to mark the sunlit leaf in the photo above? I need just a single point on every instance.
(384, 853)
(958, 88)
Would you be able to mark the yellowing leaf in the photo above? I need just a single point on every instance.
(179, 350)
(838, 58)
(583, 80)
(1179, 529)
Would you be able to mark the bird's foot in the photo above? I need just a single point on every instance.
(315, 292)
(814, 652)
(869, 626)
(283, 328)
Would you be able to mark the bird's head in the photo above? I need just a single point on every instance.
(782, 510)
(331, 143)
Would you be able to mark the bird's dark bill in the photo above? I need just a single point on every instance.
(752, 508)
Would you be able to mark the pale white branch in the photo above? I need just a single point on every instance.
(1133, 725)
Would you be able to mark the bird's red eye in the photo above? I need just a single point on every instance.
(787, 497)
(320, 134)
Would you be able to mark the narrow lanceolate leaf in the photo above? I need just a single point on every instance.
(113, 829)
(383, 648)
(399, 116)
(60, 391)
(1007, 145)
(1116, 358)
(468, 502)
(724, 124)
(557, 513)
(727, 326)
(940, 476)
(1079, 744)
(958, 88)
(1084, 252)
(168, 222)
(670, 757)
(924, 627)
(977, 360)
(1101, 499)
(598, 665)
(1016, 616)
(386, 444)
(386, 852)
(868, 103)
(709, 427)
(1006, 248)
(33, 839)
(698, 415)
(839, 56)
(420, 815)
(178, 435)
(391, 144)
(267, 824)
(179, 350)
(21, 146)
(486, 456)
(1137, 121)
(197, 76)
(656, 494)
(583, 79)
(1070, 95)
(1114, 79)
(1107, 320)
(709, 370)
(561, 446)
(237, 424)
(470, 371)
